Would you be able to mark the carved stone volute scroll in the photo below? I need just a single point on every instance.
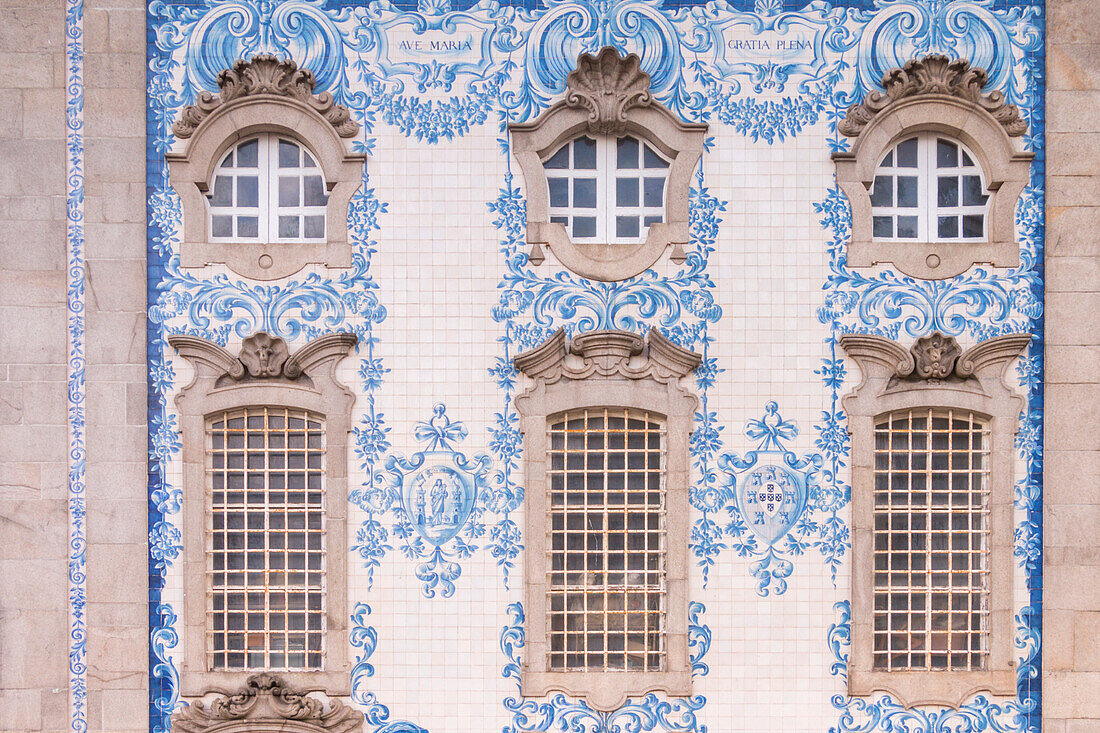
(262, 357)
(608, 354)
(266, 705)
(265, 74)
(607, 85)
(935, 74)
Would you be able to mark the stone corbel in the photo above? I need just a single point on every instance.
(266, 705)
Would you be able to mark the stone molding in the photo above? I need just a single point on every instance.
(607, 95)
(265, 74)
(265, 704)
(264, 95)
(933, 373)
(939, 95)
(606, 369)
(935, 74)
(264, 373)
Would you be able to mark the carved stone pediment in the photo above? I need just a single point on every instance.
(262, 356)
(934, 75)
(266, 705)
(265, 74)
(607, 85)
(608, 354)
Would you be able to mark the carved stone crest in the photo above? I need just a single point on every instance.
(265, 74)
(607, 85)
(266, 705)
(608, 353)
(934, 356)
(935, 74)
(264, 356)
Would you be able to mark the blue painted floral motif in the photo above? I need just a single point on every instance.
(769, 488)
(560, 713)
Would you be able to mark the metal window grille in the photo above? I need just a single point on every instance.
(931, 539)
(606, 577)
(266, 545)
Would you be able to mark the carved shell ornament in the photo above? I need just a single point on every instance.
(265, 74)
(935, 74)
(264, 356)
(934, 356)
(607, 85)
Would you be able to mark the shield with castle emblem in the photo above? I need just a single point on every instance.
(438, 500)
(770, 499)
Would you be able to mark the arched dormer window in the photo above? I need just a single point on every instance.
(607, 172)
(933, 176)
(266, 173)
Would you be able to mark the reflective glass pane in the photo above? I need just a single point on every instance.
(559, 191)
(248, 226)
(227, 161)
(907, 192)
(652, 160)
(584, 153)
(288, 191)
(288, 154)
(882, 226)
(907, 154)
(972, 191)
(882, 191)
(626, 192)
(221, 226)
(309, 160)
(248, 191)
(627, 153)
(654, 192)
(947, 154)
(907, 227)
(651, 220)
(315, 227)
(947, 191)
(626, 226)
(223, 191)
(966, 159)
(315, 191)
(584, 193)
(948, 227)
(584, 227)
(972, 226)
(559, 160)
(248, 154)
(288, 227)
(888, 160)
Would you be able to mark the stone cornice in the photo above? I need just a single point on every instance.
(266, 705)
(262, 356)
(608, 354)
(265, 74)
(933, 357)
(933, 76)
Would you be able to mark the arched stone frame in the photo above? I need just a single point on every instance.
(608, 95)
(932, 373)
(264, 95)
(606, 369)
(264, 374)
(935, 94)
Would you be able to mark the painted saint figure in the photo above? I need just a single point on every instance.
(439, 501)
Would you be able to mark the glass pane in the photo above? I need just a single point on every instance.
(627, 155)
(907, 192)
(584, 153)
(966, 159)
(584, 226)
(584, 193)
(651, 220)
(288, 191)
(972, 226)
(882, 191)
(948, 227)
(315, 227)
(654, 192)
(315, 191)
(652, 160)
(248, 226)
(559, 191)
(288, 154)
(248, 192)
(972, 191)
(626, 192)
(309, 161)
(559, 160)
(227, 161)
(907, 154)
(626, 226)
(882, 226)
(947, 192)
(947, 154)
(288, 227)
(907, 227)
(248, 154)
(223, 191)
(221, 226)
(888, 161)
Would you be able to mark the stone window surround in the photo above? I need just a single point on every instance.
(277, 103)
(613, 369)
(894, 378)
(607, 95)
(305, 380)
(942, 96)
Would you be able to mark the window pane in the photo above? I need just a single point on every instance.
(315, 227)
(627, 153)
(559, 160)
(973, 226)
(222, 194)
(882, 226)
(882, 191)
(947, 154)
(559, 192)
(221, 226)
(248, 226)
(288, 191)
(248, 192)
(972, 191)
(947, 191)
(584, 193)
(907, 154)
(288, 227)
(626, 192)
(652, 220)
(907, 227)
(315, 191)
(652, 160)
(626, 226)
(948, 227)
(584, 153)
(907, 192)
(654, 192)
(248, 154)
(584, 226)
(288, 154)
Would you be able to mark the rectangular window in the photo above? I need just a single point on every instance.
(931, 541)
(266, 544)
(606, 589)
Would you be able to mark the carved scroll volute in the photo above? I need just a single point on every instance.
(934, 357)
(607, 85)
(263, 357)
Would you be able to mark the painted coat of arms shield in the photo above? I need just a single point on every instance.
(437, 499)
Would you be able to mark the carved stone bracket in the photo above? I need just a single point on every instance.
(262, 356)
(608, 354)
(266, 705)
(933, 357)
(934, 75)
(607, 85)
(265, 74)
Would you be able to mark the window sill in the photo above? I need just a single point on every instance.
(912, 689)
(606, 691)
